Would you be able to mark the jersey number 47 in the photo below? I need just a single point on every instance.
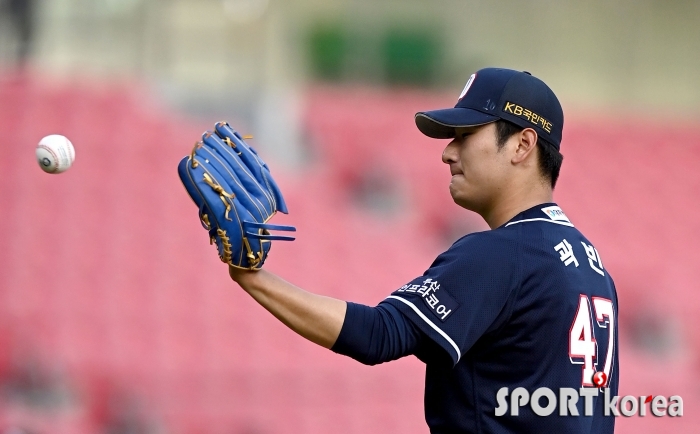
(583, 348)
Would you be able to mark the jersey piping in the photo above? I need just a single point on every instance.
(430, 323)
(540, 220)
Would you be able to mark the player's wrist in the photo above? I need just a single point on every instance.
(242, 276)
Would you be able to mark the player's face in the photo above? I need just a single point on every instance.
(478, 168)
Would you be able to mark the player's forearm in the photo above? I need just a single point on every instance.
(315, 317)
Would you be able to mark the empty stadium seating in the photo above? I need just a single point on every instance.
(107, 277)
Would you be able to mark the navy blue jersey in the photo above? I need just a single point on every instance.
(526, 305)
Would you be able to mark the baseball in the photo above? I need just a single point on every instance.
(55, 154)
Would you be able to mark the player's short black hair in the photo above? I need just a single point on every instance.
(550, 158)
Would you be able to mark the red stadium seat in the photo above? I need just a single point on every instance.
(106, 271)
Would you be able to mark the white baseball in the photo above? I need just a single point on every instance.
(55, 154)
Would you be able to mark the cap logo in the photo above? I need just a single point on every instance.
(531, 116)
(467, 86)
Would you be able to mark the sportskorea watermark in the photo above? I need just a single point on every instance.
(567, 399)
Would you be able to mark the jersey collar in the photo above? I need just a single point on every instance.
(547, 212)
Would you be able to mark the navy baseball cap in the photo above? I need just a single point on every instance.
(495, 93)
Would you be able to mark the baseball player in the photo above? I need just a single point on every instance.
(504, 315)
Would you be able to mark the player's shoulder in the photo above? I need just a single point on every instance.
(482, 249)
(484, 240)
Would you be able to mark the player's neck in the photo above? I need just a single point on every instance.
(517, 201)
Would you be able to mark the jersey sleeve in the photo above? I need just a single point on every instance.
(465, 293)
(373, 335)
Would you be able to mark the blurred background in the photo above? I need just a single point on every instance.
(115, 314)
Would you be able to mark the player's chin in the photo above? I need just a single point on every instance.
(460, 197)
(462, 202)
(465, 194)
(459, 187)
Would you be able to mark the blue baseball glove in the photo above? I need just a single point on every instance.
(236, 196)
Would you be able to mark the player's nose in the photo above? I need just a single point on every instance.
(450, 154)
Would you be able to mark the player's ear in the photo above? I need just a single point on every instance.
(527, 142)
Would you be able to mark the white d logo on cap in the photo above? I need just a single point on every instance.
(467, 86)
